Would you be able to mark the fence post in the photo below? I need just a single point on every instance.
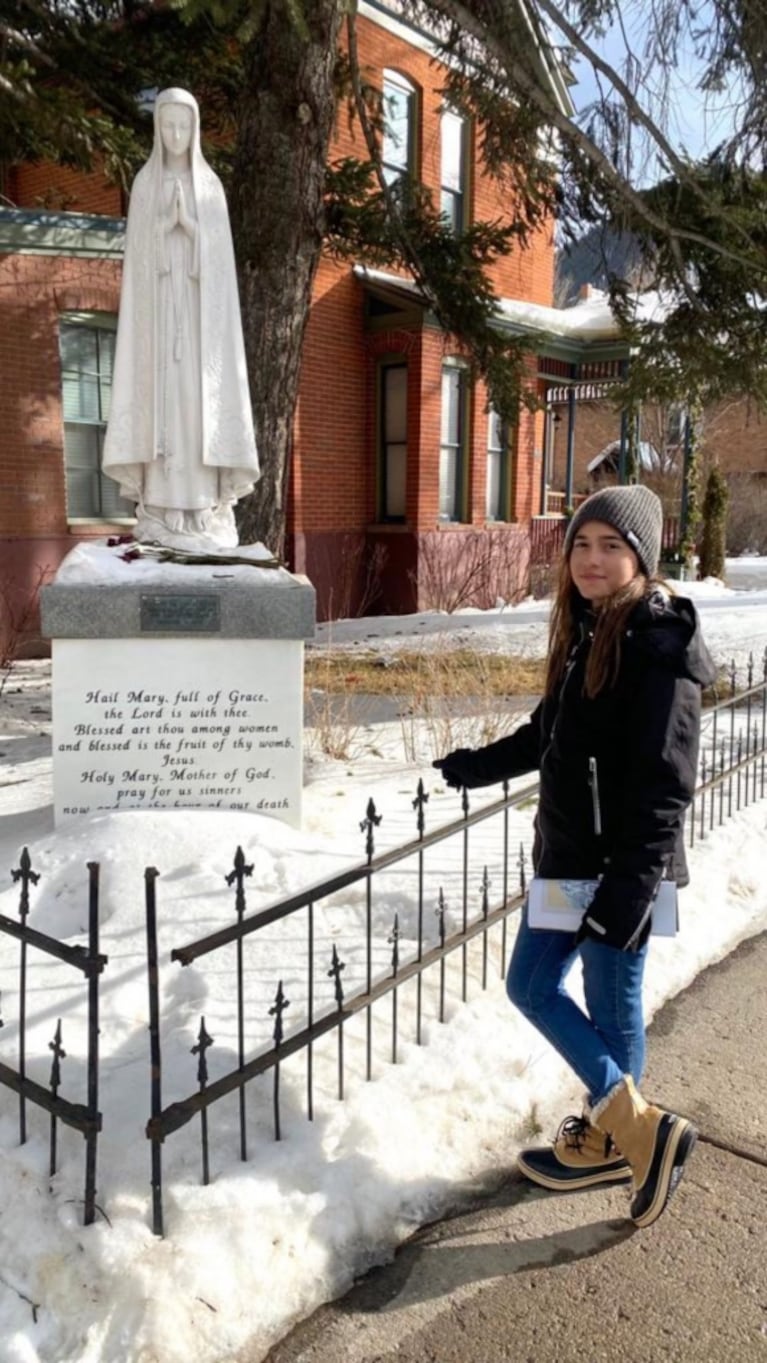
(420, 800)
(27, 877)
(150, 878)
(91, 1139)
(241, 870)
(367, 826)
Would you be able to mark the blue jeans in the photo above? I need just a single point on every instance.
(603, 1044)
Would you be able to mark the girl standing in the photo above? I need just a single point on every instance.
(615, 739)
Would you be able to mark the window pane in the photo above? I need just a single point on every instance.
(493, 500)
(494, 431)
(451, 207)
(106, 365)
(82, 492)
(395, 403)
(452, 437)
(81, 446)
(396, 470)
(78, 348)
(452, 151)
(87, 358)
(398, 107)
(448, 484)
(451, 406)
(112, 504)
(80, 396)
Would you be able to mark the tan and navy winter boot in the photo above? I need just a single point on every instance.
(581, 1157)
(655, 1143)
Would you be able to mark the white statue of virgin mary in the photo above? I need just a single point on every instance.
(180, 436)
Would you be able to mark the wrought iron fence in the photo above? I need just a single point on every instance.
(437, 943)
(732, 774)
(83, 1117)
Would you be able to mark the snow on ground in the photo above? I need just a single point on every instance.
(270, 1239)
(522, 629)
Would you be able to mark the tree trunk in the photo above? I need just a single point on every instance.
(284, 125)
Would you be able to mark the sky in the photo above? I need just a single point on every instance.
(268, 1240)
(694, 122)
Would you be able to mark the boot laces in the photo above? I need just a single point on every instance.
(573, 1131)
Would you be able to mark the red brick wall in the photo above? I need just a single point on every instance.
(528, 273)
(42, 184)
(34, 292)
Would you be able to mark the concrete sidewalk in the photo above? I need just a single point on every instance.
(537, 1277)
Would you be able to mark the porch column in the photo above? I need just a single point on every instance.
(622, 448)
(570, 442)
(546, 453)
(684, 516)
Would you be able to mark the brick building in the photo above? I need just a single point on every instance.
(584, 427)
(398, 464)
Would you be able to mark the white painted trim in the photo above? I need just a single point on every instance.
(398, 27)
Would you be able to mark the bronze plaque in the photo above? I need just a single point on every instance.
(180, 613)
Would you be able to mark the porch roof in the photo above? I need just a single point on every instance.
(25, 231)
(579, 335)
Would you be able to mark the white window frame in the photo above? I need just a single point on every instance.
(452, 498)
(387, 444)
(453, 191)
(500, 453)
(399, 169)
(98, 323)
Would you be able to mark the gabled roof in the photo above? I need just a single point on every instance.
(649, 458)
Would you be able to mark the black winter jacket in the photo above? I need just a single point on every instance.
(617, 772)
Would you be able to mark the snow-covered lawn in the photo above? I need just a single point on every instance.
(271, 1238)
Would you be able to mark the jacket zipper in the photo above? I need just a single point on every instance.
(595, 805)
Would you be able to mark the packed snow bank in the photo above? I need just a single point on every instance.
(270, 1239)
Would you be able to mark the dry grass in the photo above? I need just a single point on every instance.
(462, 673)
(446, 697)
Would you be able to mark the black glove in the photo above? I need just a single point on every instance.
(459, 768)
(626, 928)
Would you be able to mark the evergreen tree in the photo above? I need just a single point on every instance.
(713, 543)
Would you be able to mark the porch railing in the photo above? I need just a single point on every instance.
(547, 532)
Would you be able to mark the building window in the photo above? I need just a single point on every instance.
(87, 355)
(453, 442)
(677, 423)
(453, 169)
(393, 410)
(399, 115)
(497, 487)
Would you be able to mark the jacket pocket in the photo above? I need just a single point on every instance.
(595, 805)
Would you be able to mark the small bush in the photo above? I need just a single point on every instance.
(712, 546)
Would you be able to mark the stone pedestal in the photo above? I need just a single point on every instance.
(176, 686)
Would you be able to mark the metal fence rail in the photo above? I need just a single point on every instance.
(86, 1117)
(732, 775)
(426, 936)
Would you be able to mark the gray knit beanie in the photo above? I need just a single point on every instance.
(635, 512)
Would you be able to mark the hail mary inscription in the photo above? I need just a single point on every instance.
(146, 737)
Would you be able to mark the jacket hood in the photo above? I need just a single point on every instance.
(668, 629)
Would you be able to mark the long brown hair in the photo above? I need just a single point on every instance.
(605, 654)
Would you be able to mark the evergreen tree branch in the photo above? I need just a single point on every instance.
(464, 18)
